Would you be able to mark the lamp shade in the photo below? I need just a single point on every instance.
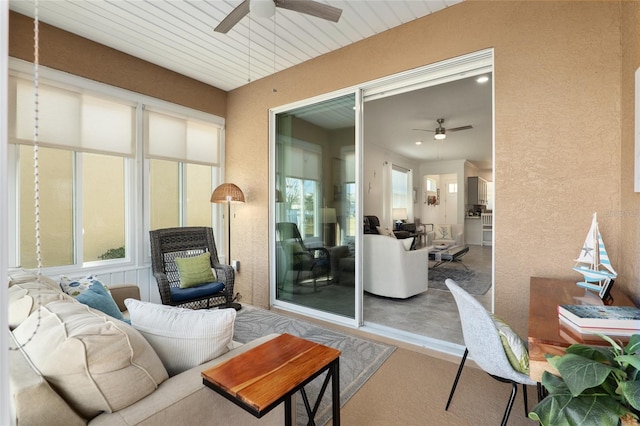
(399, 213)
(328, 215)
(227, 193)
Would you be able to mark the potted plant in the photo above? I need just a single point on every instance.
(597, 386)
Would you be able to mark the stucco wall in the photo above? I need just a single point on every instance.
(630, 206)
(558, 127)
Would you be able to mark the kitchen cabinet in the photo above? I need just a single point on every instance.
(476, 190)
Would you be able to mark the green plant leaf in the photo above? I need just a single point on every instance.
(633, 360)
(562, 409)
(553, 384)
(633, 346)
(580, 373)
(600, 354)
(631, 391)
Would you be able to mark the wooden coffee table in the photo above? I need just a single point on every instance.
(261, 378)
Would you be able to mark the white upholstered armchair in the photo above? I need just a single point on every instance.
(449, 234)
(391, 269)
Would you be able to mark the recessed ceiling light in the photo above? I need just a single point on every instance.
(418, 142)
(482, 79)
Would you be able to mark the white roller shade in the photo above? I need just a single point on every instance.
(174, 138)
(73, 120)
(107, 126)
(302, 164)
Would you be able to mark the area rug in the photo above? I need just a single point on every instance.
(360, 358)
(472, 281)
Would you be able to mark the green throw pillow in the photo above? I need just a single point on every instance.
(195, 270)
(515, 349)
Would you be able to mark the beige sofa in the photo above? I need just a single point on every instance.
(39, 399)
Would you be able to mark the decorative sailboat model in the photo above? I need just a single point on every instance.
(593, 263)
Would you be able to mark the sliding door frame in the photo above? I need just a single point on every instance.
(463, 66)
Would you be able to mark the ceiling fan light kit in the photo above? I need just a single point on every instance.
(441, 132)
(262, 8)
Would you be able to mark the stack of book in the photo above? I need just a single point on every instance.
(608, 320)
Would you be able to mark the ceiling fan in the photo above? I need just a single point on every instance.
(266, 9)
(441, 132)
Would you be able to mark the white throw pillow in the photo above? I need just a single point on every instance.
(407, 242)
(96, 362)
(443, 232)
(385, 231)
(182, 338)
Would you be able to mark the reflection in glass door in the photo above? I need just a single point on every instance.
(315, 206)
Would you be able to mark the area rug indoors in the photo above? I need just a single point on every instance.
(472, 281)
(360, 358)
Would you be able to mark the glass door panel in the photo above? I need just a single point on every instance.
(315, 200)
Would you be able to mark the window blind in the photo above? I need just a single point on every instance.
(170, 137)
(72, 120)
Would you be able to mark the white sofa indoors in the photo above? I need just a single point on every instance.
(85, 367)
(449, 234)
(391, 269)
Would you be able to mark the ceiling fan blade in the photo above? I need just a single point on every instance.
(424, 130)
(233, 18)
(312, 8)
(455, 129)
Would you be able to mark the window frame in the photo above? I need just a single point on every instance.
(137, 217)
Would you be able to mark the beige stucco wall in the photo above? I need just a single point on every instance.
(630, 206)
(558, 125)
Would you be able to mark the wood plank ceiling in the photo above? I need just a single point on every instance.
(179, 36)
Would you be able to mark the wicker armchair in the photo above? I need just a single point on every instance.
(169, 243)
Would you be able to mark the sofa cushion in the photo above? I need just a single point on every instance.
(93, 361)
(183, 338)
(27, 297)
(195, 270)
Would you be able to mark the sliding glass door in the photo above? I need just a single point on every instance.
(314, 220)
(373, 151)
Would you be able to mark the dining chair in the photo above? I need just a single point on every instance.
(481, 333)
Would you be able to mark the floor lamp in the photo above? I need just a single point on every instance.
(228, 193)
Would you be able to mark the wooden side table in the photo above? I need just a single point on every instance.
(260, 379)
(546, 334)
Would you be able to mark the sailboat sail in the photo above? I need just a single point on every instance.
(604, 257)
(593, 262)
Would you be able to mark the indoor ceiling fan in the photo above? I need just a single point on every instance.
(441, 132)
(266, 9)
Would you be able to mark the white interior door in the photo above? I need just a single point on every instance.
(450, 184)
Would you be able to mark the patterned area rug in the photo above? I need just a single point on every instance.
(360, 358)
(473, 282)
